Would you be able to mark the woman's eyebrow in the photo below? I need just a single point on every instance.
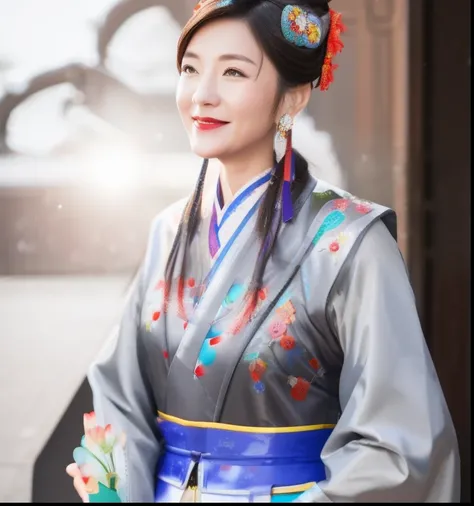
(224, 57)
(240, 57)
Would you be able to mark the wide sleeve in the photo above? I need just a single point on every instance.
(123, 397)
(395, 440)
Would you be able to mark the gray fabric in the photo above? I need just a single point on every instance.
(273, 404)
(357, 348)
(122, 398)
(395, 440)
(121, 383)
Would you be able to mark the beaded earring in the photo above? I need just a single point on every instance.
(284, 148)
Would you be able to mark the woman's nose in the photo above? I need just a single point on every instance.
(206, 92)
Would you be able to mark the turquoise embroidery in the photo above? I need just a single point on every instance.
(213, 332)
(284, 298)
(251, 356)
(208, 353)
(332, 221)
(234, 294)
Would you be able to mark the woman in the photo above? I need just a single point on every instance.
(270, 349)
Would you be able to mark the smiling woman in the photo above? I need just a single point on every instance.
(270, 349)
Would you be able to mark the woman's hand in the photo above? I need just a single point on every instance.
(79, 485)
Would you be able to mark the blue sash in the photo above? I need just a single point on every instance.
(238, 463)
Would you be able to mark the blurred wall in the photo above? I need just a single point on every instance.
(365, 109)
(440, 200)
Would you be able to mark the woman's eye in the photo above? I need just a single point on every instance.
(187, 69)
(234, 73)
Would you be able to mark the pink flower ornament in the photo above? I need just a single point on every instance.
(95, 458)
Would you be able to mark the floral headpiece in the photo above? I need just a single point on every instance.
(305, 29)
(335, 45)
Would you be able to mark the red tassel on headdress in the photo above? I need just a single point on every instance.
(335, 45)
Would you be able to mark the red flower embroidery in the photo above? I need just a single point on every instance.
(257, 368)
(341, 204)
(296, 28)
(255, 376)
(262, 294)
(363, 208)
(334, 247)
(300, 390)
(191, 282)
(287, 342)
(156, 315)
(215, 340)
(165, 354)
(314, 363)
(199, 371)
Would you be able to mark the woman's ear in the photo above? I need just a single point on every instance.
(294, 101)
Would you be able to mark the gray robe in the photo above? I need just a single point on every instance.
(335, 339)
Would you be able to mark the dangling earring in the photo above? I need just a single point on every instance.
(283, 148)
(284, 126)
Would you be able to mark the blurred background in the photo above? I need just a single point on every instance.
(92, 148)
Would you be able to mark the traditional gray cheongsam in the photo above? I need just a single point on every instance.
(327, 394)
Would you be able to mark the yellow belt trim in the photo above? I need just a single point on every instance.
(293, 489)
(242, 428)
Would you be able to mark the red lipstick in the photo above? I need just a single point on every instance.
(206, 123)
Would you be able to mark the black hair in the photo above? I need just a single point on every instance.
(295, 66)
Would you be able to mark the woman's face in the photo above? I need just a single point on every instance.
(227, 92)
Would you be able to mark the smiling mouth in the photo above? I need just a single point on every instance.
(208, 123)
